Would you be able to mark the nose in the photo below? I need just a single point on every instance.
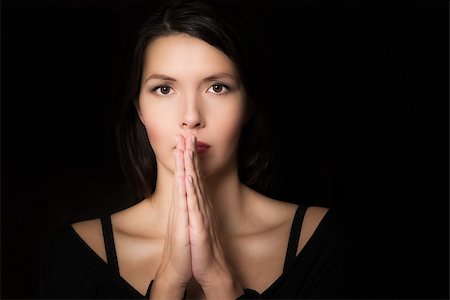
(191, 116)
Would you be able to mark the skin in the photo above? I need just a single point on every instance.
(212, 236)
(183, 99)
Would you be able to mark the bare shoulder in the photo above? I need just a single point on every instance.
(124, 223)
(313, 216)
(311, 220)
(277, 213)
(268, 212)
(92, 234)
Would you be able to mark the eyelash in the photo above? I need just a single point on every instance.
(156, 88)
(227, 88)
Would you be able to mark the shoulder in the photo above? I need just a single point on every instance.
(339, 230)
(66, 267)
(91, 232)
(266, 212)
(124, 222)
(313, 217)
(60, 247)
(280, 214)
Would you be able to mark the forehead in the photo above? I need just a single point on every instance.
(181, 53)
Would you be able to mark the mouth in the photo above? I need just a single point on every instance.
(202, 147)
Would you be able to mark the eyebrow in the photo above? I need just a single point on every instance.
(160, 76)
(209, 78)
(220, 75)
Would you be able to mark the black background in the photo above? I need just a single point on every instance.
(361, 115)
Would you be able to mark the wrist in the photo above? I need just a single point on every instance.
(167, 289)
(223, 287)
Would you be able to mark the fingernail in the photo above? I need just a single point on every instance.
(193, 138)
(191, 154)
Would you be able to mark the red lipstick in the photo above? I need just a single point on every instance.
(202, 147)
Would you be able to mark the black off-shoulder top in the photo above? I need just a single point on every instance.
(326, 267)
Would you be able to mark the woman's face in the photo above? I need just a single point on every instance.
(191, 88)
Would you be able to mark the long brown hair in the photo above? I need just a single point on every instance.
(222, 27)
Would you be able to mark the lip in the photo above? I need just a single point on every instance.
(202, 147)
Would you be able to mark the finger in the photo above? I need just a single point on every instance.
(179, 194)
(180, 215)
(182, 209)
(191, 143)
(190, 155)
(174, 187)
(175, 173)
(192, 146)
(179, 175)
(179, 160)
(197, 198)
(189, 165)
(196, 223)
(180, 141)
(179, 164)
(173, 207)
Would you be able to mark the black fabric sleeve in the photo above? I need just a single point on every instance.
(339, 277)
(62, 275)
(249, 294)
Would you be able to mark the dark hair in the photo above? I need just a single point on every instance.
(219, 25)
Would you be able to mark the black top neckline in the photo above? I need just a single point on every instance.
(287, 267)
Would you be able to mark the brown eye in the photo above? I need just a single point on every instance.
(164, 89)
(217, 88)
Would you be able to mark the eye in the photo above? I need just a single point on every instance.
(218, 88)
(162, 90)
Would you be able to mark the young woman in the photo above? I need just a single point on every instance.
(192, 139)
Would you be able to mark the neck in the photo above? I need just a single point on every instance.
(227, 196)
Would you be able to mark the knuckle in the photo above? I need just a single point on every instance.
(193, 207)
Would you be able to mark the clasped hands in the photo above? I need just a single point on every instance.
(192, 248)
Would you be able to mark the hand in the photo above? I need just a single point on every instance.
(209, 267)
(175, 271)
(192, 246)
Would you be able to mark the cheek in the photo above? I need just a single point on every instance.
(229, 125)
(158, 126)
(155, 131)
